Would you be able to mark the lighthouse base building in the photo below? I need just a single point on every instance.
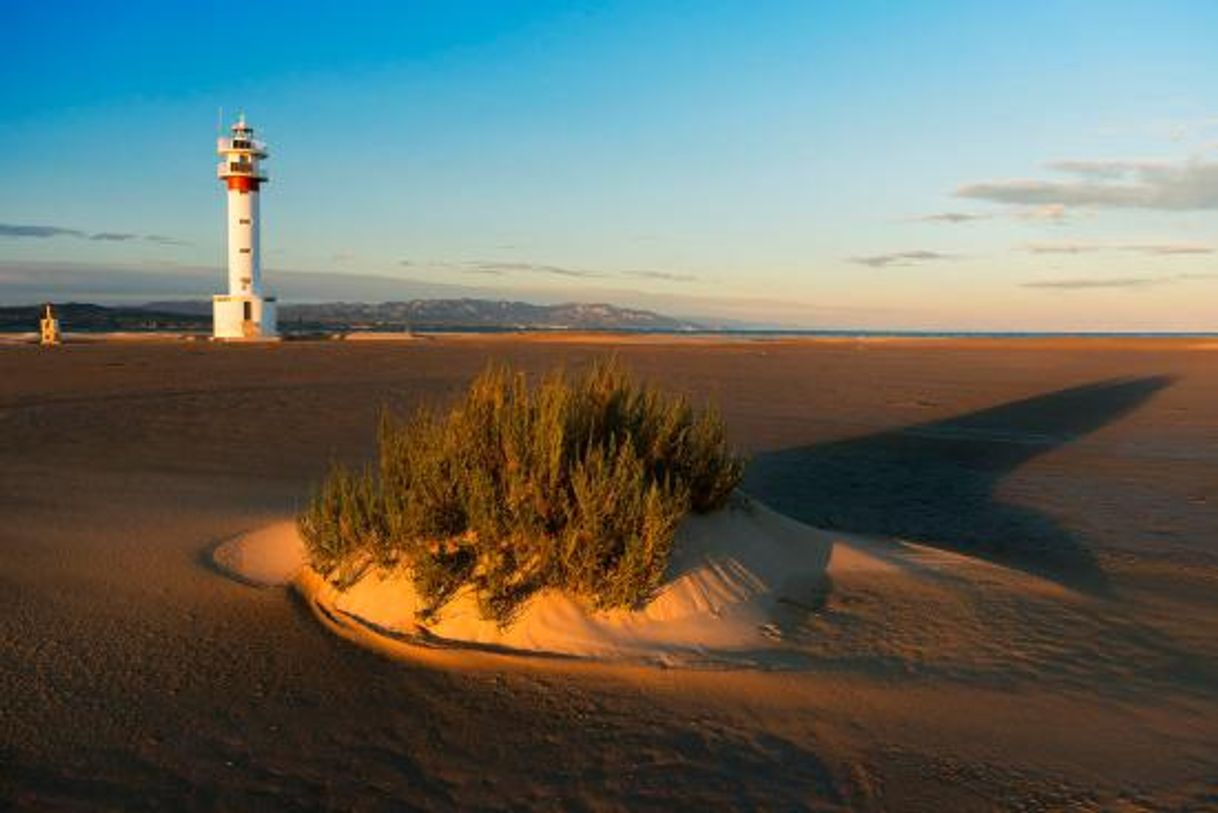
(245, 312)
(243, 317)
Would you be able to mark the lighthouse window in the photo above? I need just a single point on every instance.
(244, 221)
(245, 251)
(249, 310)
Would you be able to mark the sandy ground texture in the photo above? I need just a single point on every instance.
(1066, 659)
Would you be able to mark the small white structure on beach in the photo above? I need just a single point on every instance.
(245, 312)
(48, 328)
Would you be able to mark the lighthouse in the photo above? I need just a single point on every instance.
(245, 312)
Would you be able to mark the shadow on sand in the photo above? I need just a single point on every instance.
(935, 482)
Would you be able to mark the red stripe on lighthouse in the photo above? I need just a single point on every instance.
(242, 183)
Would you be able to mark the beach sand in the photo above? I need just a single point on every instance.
(1075, 664)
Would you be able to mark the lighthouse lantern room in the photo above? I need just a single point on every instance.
(245, 312)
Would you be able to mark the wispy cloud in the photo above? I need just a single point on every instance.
(113, 236)
(1171, 248)
(44, 232)
(1049, 212)
(1153, 249)
(162, 240)
(953, 217)
(1120, 282)
(492, 266)
(16, 230)
(670, 276)
(1142, 184)
(1061, 248)
(1084, 284)
(898, 258)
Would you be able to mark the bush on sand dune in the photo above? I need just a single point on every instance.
(575, 482)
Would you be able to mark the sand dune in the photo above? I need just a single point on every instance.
(742, 585)
(268, 557)
(730, 573)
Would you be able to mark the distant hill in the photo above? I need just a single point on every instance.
(84, 317)
(455, 313)
(195, 315)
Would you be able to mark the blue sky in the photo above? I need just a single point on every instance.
(929, 165)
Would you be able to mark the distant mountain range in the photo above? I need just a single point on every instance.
(432, 313)
(86, 318)
(420, 314)
(29, 282)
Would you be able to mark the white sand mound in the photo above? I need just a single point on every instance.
(729, 572)
(271, 556)
(729, 575)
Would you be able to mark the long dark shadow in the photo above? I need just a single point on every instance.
(935, 482)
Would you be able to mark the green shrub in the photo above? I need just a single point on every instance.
(344, 518)
(576, 482)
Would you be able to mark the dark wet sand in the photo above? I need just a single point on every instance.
(133, 676)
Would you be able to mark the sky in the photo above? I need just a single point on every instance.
(930, 165)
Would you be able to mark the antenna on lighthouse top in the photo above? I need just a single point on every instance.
(220, 120)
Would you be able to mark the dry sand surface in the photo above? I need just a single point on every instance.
(1045, 638)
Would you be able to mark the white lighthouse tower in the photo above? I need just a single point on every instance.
(245, 312)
